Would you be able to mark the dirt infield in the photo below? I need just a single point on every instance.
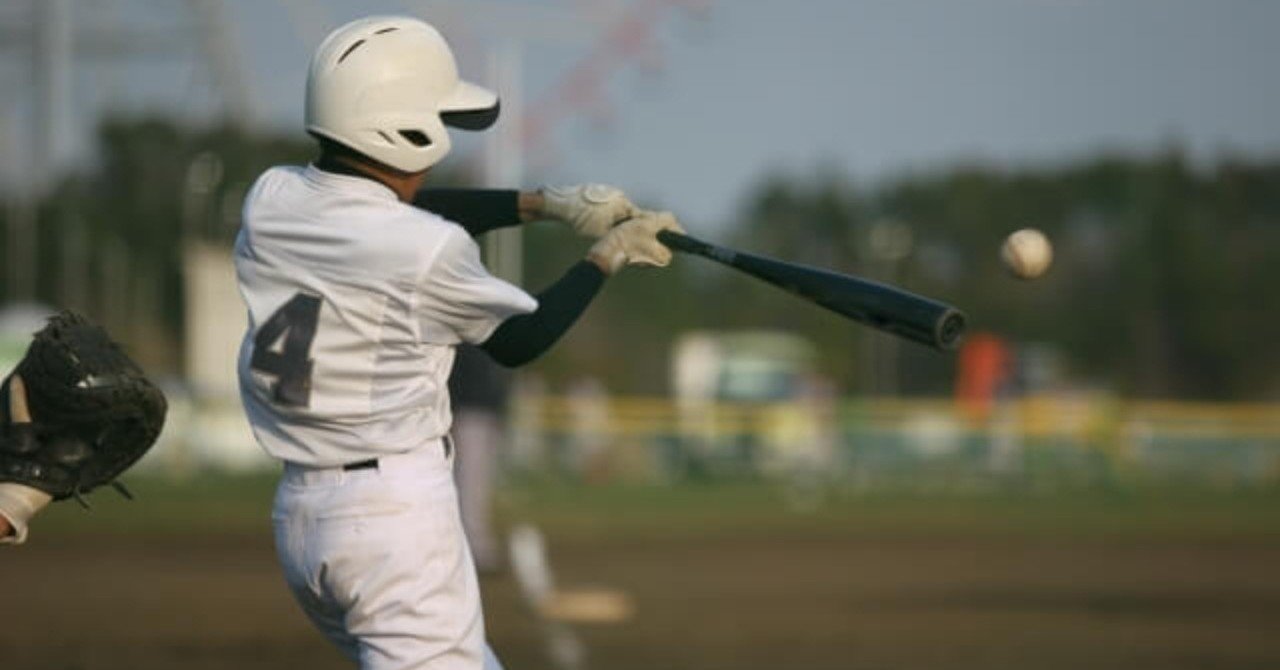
(812, 595)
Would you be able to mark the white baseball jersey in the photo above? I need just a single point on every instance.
(355, 302)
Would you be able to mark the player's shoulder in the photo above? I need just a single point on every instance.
(410, 215)
(274, 184)
(277, 177)
(402, 234)
(441, 242)
(424, 225)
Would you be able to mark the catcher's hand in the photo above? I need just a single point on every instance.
(18, 503)
(89, 414)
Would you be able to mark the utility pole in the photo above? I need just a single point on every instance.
(54, 57)
(228, 70)
(20, 217)
(504, 158)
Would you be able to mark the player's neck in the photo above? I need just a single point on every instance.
(404, 184)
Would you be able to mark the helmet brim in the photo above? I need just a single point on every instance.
(470, 107)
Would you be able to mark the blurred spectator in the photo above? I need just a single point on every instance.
(985, 367)
(588, 429)
(478, 390)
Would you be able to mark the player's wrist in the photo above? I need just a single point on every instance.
(531, 206)
(607, 262)
(18, 504)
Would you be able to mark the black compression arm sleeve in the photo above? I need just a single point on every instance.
(478, 210)
(523, 338)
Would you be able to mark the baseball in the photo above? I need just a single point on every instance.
(1027, 253)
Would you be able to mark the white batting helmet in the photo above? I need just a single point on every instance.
(386, 86)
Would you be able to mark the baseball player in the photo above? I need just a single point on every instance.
(358, 288)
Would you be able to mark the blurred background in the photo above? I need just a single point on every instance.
(1091, 480)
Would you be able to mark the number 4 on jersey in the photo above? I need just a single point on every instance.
(293, 327)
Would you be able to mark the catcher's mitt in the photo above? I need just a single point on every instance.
(87, 414)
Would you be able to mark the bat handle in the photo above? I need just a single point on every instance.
(693, 245)
(676, 240)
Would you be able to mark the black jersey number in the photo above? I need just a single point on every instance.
(293, 326)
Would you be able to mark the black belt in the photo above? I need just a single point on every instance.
(372, 463)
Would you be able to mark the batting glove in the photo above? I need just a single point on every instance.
(635, 242)
(591, 209)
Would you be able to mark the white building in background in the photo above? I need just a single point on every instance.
(217, 434)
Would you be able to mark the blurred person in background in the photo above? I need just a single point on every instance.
(478, 389)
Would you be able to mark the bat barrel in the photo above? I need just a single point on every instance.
(893, 310)
(888, 308)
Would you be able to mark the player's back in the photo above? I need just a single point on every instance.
(350, 331)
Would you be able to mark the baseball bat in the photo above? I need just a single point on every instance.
(880, 306)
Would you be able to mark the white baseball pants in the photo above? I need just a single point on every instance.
(377, 559)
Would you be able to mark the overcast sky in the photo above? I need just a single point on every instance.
(873, 87)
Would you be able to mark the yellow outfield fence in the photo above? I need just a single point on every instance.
(1086, 440)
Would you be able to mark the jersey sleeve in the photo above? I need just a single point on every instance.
(477, 210)
(459, 301)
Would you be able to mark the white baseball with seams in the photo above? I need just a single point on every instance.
(1027, 253)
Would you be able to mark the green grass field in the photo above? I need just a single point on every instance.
(723, 576)
(229, 503)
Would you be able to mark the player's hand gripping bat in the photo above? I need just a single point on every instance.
(887, 308)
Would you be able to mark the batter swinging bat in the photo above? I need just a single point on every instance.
(887, 308)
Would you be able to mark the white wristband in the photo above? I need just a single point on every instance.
(18, 504)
